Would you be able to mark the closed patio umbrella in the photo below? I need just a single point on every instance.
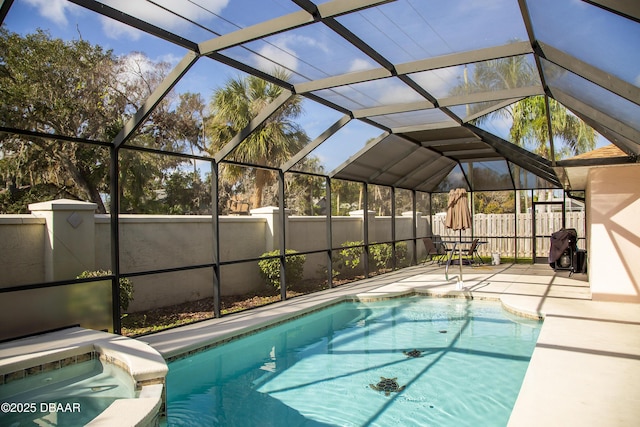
(458, 218)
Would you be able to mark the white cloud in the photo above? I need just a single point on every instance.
(359, 64)
(161, 18)
(397, 94)
(277, 53)
(137, 63)
(53, 10)
(116, 30)
(282, 50)
(169, 58)
(195, 10)
(136, 68)
(438, 82)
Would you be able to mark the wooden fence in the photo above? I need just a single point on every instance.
(511, 236)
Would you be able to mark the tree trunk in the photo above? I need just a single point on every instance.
(90, 192)
(260, 182)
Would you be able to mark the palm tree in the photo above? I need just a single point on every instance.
(233, 107)
(529, 126)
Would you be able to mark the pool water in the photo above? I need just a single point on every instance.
(70, 396)
(318, 369)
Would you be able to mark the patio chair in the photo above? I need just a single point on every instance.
(476, 258)
(470, 255)
(438, 253)
(432, 252)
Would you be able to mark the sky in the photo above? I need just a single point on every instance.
(300, 49)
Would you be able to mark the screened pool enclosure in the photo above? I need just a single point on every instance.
(204, 134)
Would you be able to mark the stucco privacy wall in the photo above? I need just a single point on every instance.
(151, 242)
(156, 242)
(613, 224)
(22, 239)
(310, 233)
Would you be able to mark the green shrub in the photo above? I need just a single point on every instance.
(381, 255)
(293, 267)
(126, 286)
(349, 258)
(401, 254)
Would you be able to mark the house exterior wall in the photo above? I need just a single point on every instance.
(613, 224)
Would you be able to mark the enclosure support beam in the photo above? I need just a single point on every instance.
(515, 225)
(414, 228)
(253, 125)
(282, 236)
(215, 222)
(519, 156)
(114, 210)
(393, 227)
(131, 21)
(589, 113)
(329, 233)
(365, 225)
(591, 73)
(155, 98)
(456, 59)
(360, 152)
(315, 143)
(496, 95)
(5, 5)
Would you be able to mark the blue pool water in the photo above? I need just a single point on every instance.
(70, 396)
(317, 369)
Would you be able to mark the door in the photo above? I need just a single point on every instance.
(548, 217)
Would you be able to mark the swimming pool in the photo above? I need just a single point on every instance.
(325, 368)
(70, 396)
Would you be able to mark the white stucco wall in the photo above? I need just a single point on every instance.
(613, 224)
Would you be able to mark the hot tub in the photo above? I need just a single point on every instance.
(78, 376)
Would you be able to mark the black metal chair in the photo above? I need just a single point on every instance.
(471, 254)
(436, 252)
(432, 252)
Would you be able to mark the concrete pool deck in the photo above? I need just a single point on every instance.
(585, 369)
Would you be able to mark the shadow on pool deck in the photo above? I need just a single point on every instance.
(584, 371)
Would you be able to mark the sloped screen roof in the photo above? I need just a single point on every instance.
(436, 80)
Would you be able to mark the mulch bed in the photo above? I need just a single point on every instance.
(157, 319)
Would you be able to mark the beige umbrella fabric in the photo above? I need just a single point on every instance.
(458, 218)
(458, 215)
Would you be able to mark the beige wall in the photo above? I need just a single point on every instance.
(159, 242)
(613, 224)
(155, 242)
(22, 256)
